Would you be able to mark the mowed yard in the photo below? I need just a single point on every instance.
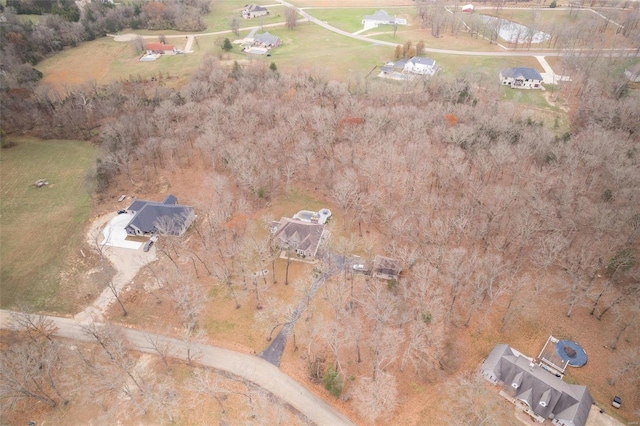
(39, 226)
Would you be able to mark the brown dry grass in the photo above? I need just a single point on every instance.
(422, 400)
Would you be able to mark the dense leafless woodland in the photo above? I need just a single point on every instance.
(487, 208)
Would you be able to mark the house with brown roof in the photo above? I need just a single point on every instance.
(539, 393)
(303, 237)
(160, 48)
(385, 268)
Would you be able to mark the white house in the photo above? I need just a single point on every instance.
(410, 68)
(254, 11)
(521, 78)
(381, 17)
(421, 66)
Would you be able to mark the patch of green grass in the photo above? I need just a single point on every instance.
(542, 18)
(309, 46)
(39, 226)
(350, 19)
(534, 98)
(223, 12)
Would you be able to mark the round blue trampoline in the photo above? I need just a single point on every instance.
(571, 352)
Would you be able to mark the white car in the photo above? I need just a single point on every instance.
(358, 267)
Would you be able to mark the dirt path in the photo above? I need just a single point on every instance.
(247, 367)
(126, 262)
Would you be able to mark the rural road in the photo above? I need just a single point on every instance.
(309, 18)
(251, 368)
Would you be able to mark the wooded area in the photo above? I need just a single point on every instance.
(491, 214)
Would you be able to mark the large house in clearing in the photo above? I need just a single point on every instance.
(539, 393)
(381, 17)
(167, 217)
(160, 48)
(301, 236)
(254, 11)
(521, 78)
(410, 68)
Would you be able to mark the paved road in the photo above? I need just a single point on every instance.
(250, 368)
(323, 24)
(273, 352)
(308, 18)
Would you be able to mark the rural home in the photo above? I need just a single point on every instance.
(381, 17)
(536, 391)
(521, 78)
(166, 218)
(416, 65)
(264, 40)
(385, 268)
(160, 48)
(303, 237)
(254, 11)
(633, 73)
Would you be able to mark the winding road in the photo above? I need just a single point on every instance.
(251, 368)
(309, 18)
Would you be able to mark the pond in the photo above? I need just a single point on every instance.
(513, 32)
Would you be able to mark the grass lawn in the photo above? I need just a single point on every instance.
(223, 11)
(414, 34)
(38, 227)
(530, 98)
(486, 66)
(542, 17)
(350, 19)
(338, 57)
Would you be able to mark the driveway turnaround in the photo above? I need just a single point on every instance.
(115, 235)
(247, 367)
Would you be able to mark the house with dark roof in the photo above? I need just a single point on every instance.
(521, 78)
(538, 392)
(293, 234)
(385, 268)
(167, 217)
(254, 11)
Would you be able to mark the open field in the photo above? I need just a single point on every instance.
(543, 17)
(461, 42)
(350, 19)
(223, 11)
(40, 226)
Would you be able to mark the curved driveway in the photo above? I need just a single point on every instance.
(250, 368)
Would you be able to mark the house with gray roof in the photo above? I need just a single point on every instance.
(410, 68)
(267, 40)
(521, 78)
(538, 392)
(381, 17)
(167, 217)
(294, 234)
(254, 11)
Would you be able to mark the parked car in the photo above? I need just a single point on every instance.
(122, 211)
(617, 401)
(359, 267)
